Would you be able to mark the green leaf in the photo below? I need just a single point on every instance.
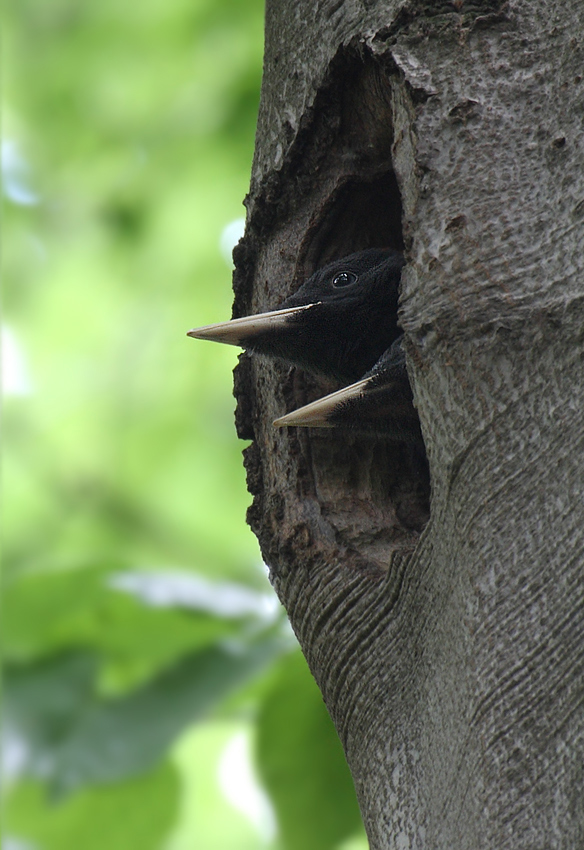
(61, 609)
(42, 704)
(302, 764)
(83, 740)
(134, 815)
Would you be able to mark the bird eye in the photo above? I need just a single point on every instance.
(344, 279)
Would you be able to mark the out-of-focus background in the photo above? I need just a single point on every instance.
(154, 694)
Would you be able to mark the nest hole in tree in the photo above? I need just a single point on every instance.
(385, 479)
(340, 181)
(373, 476)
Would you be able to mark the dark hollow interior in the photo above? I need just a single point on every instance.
(364, 210)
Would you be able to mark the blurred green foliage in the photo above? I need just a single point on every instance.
(142, 641)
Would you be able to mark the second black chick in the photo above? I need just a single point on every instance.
(380, 403)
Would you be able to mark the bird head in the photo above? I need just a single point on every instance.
(337, 324)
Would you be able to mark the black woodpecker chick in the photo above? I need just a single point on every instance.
(380, 403)
(338, 324)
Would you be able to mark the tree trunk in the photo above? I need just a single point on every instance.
(449, 651)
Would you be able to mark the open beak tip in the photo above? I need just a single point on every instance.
(202, 333)
(292, 420)
(197, 333)
(224, 332)
(319, 413)
(281, 422)
(247, 328)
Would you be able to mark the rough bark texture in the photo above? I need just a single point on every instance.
(450, 652)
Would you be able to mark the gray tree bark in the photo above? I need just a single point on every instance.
(449, 650)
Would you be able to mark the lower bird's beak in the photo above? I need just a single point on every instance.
(242, 331)
(318, 414)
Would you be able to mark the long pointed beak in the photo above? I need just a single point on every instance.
(317, 413)
(241, 331)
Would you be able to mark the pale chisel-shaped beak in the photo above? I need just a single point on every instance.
(243, 331)
(317, 414)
